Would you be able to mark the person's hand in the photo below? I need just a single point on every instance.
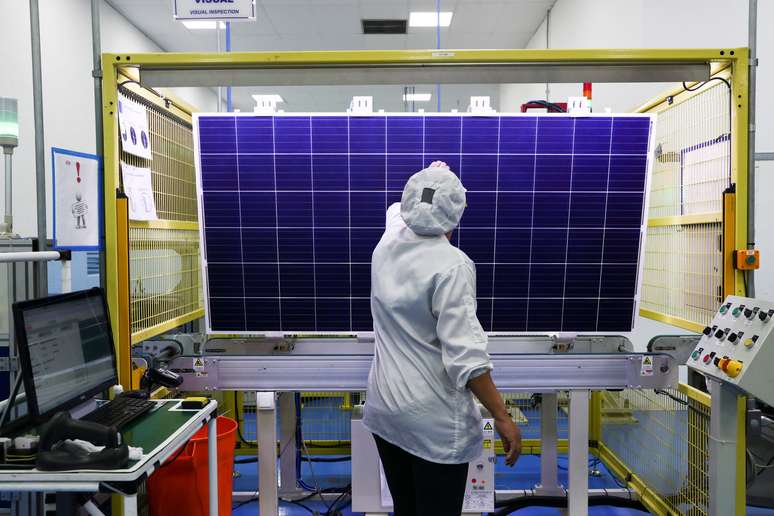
(511, 437)
(438, 164)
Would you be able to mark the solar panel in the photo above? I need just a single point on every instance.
(292, 206)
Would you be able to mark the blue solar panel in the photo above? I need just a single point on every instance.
(292, 207)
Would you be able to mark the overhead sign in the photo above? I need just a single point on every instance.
(213, 9)
(77, 188)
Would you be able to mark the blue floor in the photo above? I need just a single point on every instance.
(523, 476)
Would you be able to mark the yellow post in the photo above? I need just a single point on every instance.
(739, 150)
(116, 229)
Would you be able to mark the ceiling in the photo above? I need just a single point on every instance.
(335, 25)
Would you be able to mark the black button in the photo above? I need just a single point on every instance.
(748, 313)
(732, 337)
(716, 361)
(707, 331)
(720, 334)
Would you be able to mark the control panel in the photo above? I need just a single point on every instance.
(738, 347)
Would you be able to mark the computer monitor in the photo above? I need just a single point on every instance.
(66, 350)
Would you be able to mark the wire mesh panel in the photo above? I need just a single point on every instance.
(683, 274)
(165, 283)
(662, 436)
(165, 286)
(693, 155)
(683, 271)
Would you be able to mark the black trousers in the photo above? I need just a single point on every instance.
(420, 487)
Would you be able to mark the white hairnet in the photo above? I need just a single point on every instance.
(433, 201)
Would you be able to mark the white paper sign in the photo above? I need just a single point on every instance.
(133, 124)
(77, 192)
(138, 187)
(213, 9)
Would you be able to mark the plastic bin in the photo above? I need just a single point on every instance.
(181, 485)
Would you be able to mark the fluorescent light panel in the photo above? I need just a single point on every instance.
(430, 19)
(271, 98)
(417, 97)
(203, 24)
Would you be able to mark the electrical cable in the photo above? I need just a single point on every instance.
(306, 458)
(550, 106)
(561, 502)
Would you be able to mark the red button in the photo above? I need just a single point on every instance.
(707, 359)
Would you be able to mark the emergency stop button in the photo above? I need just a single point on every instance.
(734, 368)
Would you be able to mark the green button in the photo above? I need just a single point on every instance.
(736, 312)
(723, 309)
(695, 355)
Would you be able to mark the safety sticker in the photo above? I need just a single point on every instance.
(487, 444)
(488, 426)
(647, 366)
(198, 364)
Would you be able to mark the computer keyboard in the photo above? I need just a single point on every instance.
(119, 412)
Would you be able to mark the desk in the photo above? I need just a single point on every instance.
(159, 433)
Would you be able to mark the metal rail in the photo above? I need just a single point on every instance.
(349, 372)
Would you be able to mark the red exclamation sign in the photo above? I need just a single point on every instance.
(78, 171)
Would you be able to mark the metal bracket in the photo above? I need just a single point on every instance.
(563, 342)
(9, 364)
(97, 74)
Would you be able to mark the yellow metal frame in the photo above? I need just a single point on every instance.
(119, 67)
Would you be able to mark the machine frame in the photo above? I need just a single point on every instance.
(623, 65)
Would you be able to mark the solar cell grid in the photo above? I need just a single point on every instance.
(293, 205)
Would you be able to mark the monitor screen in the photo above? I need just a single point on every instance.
(66, 348)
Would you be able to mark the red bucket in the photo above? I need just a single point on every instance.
(182, 486)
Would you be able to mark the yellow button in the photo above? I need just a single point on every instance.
(734, 368)
(748, 343)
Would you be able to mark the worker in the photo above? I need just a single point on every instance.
(430, 354)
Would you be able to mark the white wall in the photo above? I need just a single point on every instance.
(664, 24)
(68, 100)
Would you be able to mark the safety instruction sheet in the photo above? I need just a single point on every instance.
(133, 124)
(138, 187)
(76, 195)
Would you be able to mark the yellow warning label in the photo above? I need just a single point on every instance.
(198, 362)
(647, 361)
(488, 426)
(487, 444)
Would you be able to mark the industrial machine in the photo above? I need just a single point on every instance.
(291, 206)
(735, 355)
(290, 314)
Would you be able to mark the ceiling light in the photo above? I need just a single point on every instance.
(268, 98)
(430, 19)
(203, 24)
(417, 97)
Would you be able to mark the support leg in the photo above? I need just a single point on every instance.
(267, 453)
(212, 463)
(549, 467)
(130, 505)
(577, 496)
(722, 452)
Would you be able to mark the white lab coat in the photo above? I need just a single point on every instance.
(428, 344)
